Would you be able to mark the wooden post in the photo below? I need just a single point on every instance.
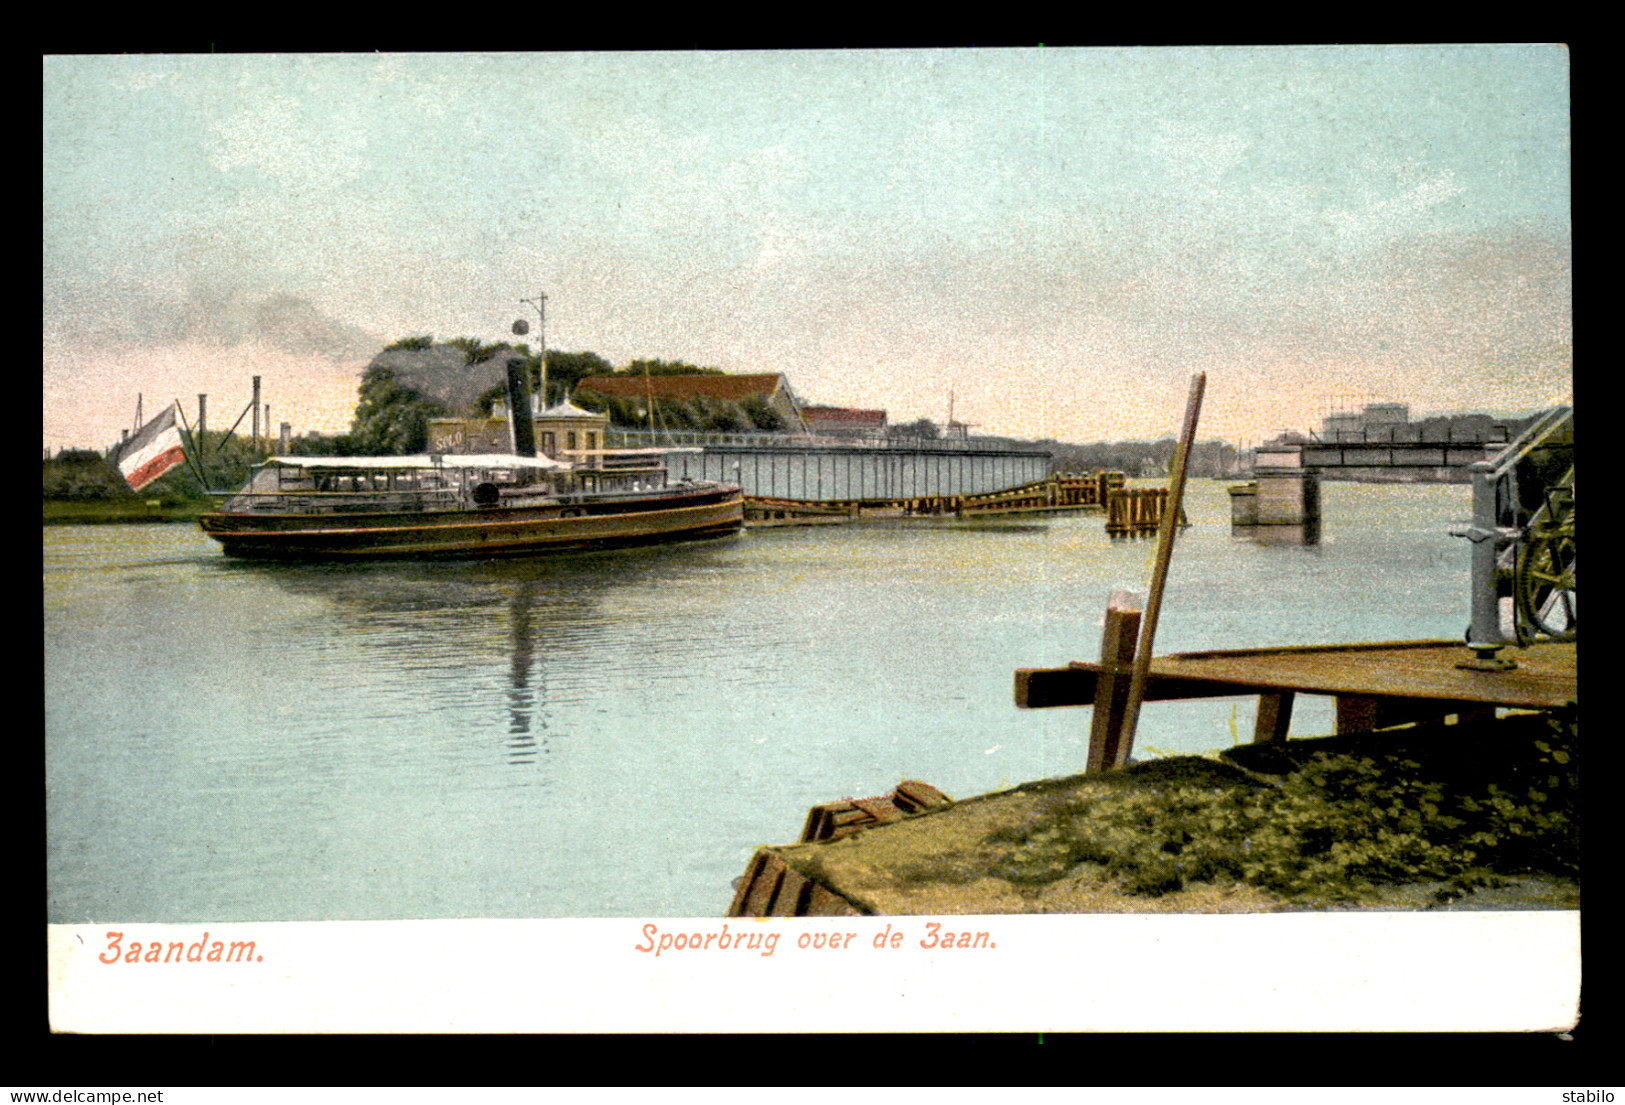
(1111, 688)
(1274, 716)
(1159, 574)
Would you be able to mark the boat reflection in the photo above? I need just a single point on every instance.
(432, 630)
(523, 746)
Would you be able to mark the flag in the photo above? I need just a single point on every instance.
(154, 450)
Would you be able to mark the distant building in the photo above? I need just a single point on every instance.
(565, 428)
(1386, 414)
(1337, 426)
(1377, 422)
(844, 421)
(562, 430)
(772, 389)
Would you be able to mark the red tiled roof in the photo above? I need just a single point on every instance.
(842, 414)
(732, 388)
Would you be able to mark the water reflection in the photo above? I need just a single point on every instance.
(516, 639)
(1306, 534)
(522, 701)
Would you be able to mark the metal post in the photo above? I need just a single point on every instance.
(540, 303)
(1488, 538)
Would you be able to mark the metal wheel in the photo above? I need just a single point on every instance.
(1544, 585)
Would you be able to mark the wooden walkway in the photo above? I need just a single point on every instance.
(1375, 685)
(1136, 510)
(910, 857)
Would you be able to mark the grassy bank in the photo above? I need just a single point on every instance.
(116, 511)
(1465, 816)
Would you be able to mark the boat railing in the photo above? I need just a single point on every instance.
(337, 502)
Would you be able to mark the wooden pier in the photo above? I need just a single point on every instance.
(771, 888)
(1059, 493)
(1138, 510)
(1375, 685)
(915, 851)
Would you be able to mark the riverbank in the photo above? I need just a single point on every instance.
(123, 511)
(1471, 816)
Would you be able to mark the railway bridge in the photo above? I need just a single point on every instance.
(807, 468)
(1384, 457)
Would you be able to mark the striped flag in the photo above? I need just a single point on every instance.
(154, 450)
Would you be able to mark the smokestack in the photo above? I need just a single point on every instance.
(256, 412)
(521, 423)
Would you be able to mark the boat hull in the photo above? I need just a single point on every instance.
(482, 532)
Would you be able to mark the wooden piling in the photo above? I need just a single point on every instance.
(1137, 510)
(1274, 716)
(1117, 643)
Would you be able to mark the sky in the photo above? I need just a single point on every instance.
(1053, 240)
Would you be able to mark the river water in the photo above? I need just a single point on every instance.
(613, 734)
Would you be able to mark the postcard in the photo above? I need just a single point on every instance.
(983, 539)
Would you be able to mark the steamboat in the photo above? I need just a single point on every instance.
(449, 505)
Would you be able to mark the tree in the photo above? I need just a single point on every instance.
(83, 475)
(322, 445)
(922, 428)
(391, 420)
(475, 350)
(762, 416)
(566, 370)
(655, 367)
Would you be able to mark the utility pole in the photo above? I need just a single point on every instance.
(540, 303)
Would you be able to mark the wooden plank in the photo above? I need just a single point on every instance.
(791, 900)
(1274, 716)
(1360, 713)
(878, 809)
(1296, 650)
(814, 827)
(1544, 677)
(1044, 688)
(1356, 713)
(1117, 644)
(742, 887)
(911, 796)
(826, 903)
(757, 887)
